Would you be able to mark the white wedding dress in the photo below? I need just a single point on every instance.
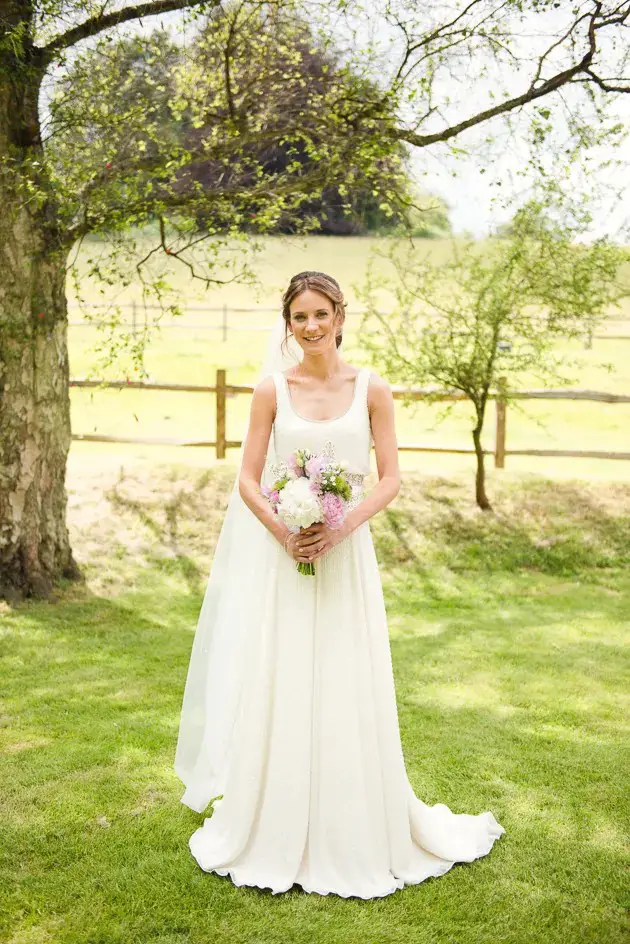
(313, 788)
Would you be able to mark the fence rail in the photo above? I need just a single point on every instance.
(225, 325)
(501, 396)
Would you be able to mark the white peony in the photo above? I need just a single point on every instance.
(298, 506)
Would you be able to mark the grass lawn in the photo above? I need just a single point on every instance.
(507, 635)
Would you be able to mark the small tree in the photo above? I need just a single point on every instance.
(494, 309)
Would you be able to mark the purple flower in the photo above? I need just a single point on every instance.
(334, 510)
(272, 495)
(314, 467)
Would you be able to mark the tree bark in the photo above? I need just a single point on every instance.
(34, 415)
(480, 475)
(34, 392)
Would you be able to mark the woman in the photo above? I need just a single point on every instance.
(289, 719)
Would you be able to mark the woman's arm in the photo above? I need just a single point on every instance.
(381, 410)
(261, 417)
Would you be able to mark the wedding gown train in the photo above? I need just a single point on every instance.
(313, 788)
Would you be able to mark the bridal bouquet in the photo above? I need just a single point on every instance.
(310, 488)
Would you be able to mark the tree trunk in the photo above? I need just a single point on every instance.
(34, 394)
(34, 416)
(480, 476)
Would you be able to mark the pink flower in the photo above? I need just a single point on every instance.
(293, 464)
(314, 487)
(314, 467)
(334, 510)
(272, 495)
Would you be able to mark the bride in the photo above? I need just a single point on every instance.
(289, 723)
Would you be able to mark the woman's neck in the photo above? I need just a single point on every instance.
(323, 366)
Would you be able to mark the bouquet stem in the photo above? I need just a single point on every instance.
(308, 569)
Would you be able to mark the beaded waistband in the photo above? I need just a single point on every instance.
(358, 492)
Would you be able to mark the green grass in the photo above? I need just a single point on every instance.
(507, 635)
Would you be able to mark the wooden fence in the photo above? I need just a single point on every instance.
(223, 322)
(501, 397)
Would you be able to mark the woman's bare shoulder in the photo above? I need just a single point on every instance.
(375, 380)
(378, 386)
(265, 387)
(264, 395)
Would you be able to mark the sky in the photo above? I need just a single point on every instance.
(472, 195)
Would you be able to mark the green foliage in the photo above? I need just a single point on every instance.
(337, 485)
(427, 218)
(342, 488)
(274, 117)
(184, 137)
(496, 311)
(492, 309)
(239, 133)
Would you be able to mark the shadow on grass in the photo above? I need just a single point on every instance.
(510, 680)
(166, 520)
(172, 520)
(562, 529)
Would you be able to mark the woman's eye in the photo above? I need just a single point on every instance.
(320, 315)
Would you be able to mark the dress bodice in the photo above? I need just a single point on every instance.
(349, 433)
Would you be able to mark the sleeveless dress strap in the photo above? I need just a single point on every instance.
(362, 381)
(281, 391)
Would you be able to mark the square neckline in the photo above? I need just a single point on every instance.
(333, 419)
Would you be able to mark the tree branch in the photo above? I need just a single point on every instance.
(98, 24)
(532, 93)
(605, 84)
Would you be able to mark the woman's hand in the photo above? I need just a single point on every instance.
(313, 542)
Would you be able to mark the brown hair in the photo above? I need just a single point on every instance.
(318, 282)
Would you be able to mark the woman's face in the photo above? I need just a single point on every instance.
(313, 322)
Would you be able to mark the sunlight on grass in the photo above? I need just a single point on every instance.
(509, 647)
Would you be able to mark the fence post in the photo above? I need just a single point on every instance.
(588, 338)
(501, 407)
(224, 324)
(220, 394)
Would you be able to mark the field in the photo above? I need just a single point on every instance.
(180, 354)
(509, 642)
